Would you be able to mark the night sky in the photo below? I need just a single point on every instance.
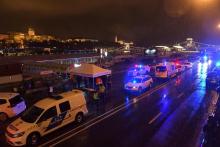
(142, 21)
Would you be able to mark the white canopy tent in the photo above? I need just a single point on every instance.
(89, 70)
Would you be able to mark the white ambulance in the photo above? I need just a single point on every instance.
(166, 70)
(11, 104)
(46, 116)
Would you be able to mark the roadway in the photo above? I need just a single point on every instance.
(172, 113)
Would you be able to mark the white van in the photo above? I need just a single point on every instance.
(11, 104)
(165, 70)
(46, 116)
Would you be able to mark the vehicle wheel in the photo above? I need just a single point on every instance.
(3, 117)
(140, 89)
(33, 139)
(79, 118)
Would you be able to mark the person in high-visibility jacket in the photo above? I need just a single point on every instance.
(96, 100)
(101, 91)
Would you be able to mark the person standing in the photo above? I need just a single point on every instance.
(50, 90)
(96, 100)
(102, 92)
(74, 81)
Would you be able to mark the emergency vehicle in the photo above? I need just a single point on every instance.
(180, 68)
(139, 83)
(166, 70)
(46, 116)
(139, 70)
(11, 104)
(187, 64)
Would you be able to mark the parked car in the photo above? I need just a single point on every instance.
(11, 104)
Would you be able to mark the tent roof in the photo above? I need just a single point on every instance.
(89, 70)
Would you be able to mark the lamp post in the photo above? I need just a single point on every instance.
(218, 26)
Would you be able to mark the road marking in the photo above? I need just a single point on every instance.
(155, 117)
(87, 127)
(121, 107)
(180, 95)
(108, 114)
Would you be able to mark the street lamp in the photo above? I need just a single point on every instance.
(218, 26)
(204, 3)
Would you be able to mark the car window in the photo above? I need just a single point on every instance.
(148, 78)
(173, 67)
(145, 79)
(2, 101)
(161, 68)
(32, 114)
(65, 106)
(15, 100)
(135, 80)
(48, 114)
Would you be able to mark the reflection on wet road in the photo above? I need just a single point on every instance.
(171, 116)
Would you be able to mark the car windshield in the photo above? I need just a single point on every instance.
(132, 69)
(161, 68)
(32, 114)
(135, 80)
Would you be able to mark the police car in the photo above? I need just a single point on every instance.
(11, 104)
(139, 70)
(139, 83)
(46, 116)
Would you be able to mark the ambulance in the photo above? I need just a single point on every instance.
(166, 70)
(45, 117)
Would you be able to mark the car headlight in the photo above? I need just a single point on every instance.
(134, 87)
(18, 135)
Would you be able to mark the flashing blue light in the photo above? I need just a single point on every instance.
(164, 96)
(140, 66)
(134, 81)
(205, 58)
(127, 99)
(218, 63)
(210, 62)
